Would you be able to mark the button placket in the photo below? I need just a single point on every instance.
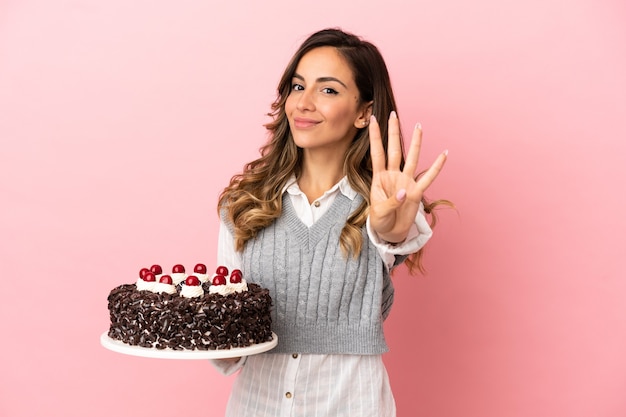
(289, 383)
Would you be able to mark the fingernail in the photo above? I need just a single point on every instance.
(393, 115)
(445, 152)
(418, 126)
(372, 118)
(401, 195)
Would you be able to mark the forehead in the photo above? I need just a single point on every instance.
(325, 61)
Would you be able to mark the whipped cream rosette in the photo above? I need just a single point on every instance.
(191, 288)
(224, 284)
(218, 285)
(200, 271)
(178, 274)
(238, 287)
(146, 280)
(165, 285)
(236, 281)
(161, 288)
(145, 285)
(157, 271)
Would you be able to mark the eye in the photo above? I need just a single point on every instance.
(329, 90)
(296, 87)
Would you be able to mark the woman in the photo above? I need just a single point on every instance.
(321, 219)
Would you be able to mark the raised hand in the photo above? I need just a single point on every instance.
(396, 194)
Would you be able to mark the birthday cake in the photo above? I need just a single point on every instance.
(196, 311)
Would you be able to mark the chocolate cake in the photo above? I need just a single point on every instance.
(156, 313)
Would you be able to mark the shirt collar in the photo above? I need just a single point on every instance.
(343, 185)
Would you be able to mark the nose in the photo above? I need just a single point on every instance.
(305, 100)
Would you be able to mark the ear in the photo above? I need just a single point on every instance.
(364, 114)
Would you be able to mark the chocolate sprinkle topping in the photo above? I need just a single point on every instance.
(213, 321)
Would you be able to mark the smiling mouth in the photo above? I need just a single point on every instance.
(302, 123)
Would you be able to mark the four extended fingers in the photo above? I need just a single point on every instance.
(394, 152)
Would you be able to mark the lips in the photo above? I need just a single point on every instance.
(304, 123)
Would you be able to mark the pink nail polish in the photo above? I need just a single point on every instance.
(401, 195)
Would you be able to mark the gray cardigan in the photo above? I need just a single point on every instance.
(323, 302)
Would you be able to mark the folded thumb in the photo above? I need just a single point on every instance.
(401, 195)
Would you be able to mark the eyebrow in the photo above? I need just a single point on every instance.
(321, 79)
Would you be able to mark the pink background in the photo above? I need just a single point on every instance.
(121, 121)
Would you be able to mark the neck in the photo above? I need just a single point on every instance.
(319, 174)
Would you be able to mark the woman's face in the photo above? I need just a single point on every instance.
(323, 107)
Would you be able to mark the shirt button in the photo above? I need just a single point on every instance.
(288, 394)
(316, 204)
(295, 356)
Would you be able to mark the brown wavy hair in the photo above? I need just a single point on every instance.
(253, 199)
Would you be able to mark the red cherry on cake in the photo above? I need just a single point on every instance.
(221, 270)
(156, 269)
(219, 280)
(235, 278)
(192, 280)
(200, 269)
(236, 272)
(142, 272)
(166, 279)
(149, 277)
(178, 269)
